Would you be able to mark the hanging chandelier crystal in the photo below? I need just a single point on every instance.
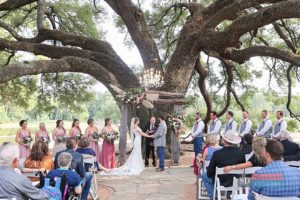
(151, 79)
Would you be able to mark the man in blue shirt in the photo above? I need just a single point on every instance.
(277, 179)
(73, 179)
(77, 165)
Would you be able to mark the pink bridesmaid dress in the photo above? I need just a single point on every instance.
(59, 133)
(24, 149)
(94, 145)
(42, 134)
(107, 157)
(75, 132)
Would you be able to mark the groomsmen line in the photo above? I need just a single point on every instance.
(264, 129)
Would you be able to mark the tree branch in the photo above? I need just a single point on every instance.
(288, 104)
(240, 56)
(266, 15)
(66, 64)
(237, 99)
(107, 59)
(40, 15)
(135, 22)
(14, 4)
(203, 74)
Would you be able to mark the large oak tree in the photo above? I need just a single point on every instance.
(170, 39)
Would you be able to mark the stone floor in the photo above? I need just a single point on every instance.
(175, 183)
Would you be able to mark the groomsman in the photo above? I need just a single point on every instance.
(160, 142)
(215, 124)
(280, 125)
(150, 129)
(246, 125)
(265, 127)
(197, 133)
(231, 124)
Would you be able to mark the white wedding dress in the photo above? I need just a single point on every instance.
(134, 165)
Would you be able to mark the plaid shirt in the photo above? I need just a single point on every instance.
(277, 179)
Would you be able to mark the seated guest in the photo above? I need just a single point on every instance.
(64, 163)
(58, 147)
(228, 155)
(213, 144)
(284, 183)
(13, 185)
(257, 159)
(246, 148)
(290, 148)
(77, 165)
(84, 148)
(39, 159)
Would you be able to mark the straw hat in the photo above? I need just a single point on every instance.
(232, 137)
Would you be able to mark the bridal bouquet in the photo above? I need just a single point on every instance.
(96, 136)
(111, 136)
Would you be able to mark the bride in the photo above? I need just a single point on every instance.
(134, 165)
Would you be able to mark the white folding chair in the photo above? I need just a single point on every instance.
(293, 163)
(218, 188)
(89, 159)
(202, 194)
(248, 156)
(238, 192)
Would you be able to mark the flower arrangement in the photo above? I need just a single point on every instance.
(27, 140)
(135, 97)
(61, 139)
(79, 136)
(45, 139)
(111, 136)
(96, 136)
(176, 124)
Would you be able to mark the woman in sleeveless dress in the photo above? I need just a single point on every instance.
(59, 134)
(22, 138)
(134, 165)
(42, 134)
(75, 131)
(107, 156)
(91, 132)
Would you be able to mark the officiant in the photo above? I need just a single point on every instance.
(150, 129)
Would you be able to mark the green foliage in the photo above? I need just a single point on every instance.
(103, 106)
(78, 17)
(293, 125)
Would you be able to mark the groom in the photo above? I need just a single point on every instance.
(160, 142)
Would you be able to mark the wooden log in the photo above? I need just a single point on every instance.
(175, 101)
(164, 94)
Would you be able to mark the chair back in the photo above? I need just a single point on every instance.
(293, 163)
(262, 197)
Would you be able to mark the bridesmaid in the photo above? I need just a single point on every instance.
(107, 157)
(42, 134)
(24, 146)
(59, 133)
(91, 132)
(75, 131)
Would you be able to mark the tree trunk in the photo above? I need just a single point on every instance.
(123, 134)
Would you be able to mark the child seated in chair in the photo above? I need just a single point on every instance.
(73, 179)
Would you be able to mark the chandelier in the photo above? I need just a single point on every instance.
(151, 79)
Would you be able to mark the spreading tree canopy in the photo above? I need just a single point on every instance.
(176, 37)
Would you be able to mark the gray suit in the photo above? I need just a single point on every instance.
(160, 135)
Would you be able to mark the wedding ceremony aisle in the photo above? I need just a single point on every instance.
(176, 183)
